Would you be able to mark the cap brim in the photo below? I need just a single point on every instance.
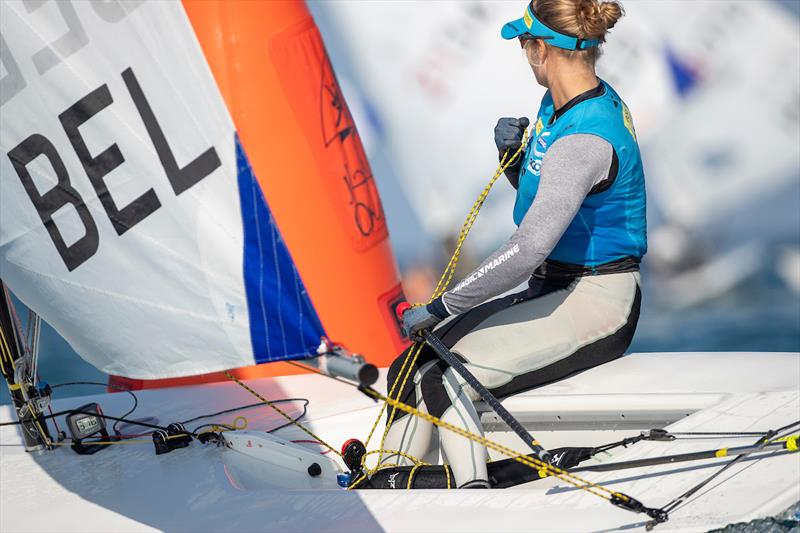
(514, 29)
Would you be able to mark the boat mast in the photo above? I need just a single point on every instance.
(29, 399)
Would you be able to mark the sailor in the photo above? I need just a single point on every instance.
(580, 212)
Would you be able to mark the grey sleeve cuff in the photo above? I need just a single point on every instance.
(570, 168)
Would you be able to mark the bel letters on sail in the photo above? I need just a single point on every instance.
(150, 214)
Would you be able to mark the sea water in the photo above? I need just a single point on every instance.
(786, 522)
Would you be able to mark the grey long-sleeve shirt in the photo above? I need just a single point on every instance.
(570, 168)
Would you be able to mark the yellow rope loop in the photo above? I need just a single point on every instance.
(284, 415)
(369, 472)
(408, 456)
(239, 423)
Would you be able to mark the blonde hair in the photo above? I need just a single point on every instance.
(587, 19)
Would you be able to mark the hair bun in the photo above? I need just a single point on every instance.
(587, 19)
(610, 12)
(596, 18)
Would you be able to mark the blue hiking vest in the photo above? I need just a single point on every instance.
(611, 222)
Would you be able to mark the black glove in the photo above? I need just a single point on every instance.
(508, 138)
(423, 317)
(508, 134)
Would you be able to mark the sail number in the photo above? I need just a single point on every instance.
(97, 167)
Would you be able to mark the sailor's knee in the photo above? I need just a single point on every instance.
(433, 390)
(456, 385)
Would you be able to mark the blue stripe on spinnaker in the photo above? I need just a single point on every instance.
(283, 322)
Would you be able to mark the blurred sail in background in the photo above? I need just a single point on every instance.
(725, 148)
(438, 77)
(734, 134)
(713, 86)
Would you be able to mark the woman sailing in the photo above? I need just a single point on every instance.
(580, 212)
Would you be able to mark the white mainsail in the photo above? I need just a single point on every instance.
(125, 196)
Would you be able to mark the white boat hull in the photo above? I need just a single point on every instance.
(128, 488)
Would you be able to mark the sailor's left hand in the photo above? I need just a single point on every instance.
(415, 319)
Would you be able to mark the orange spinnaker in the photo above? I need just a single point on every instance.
(272, 69)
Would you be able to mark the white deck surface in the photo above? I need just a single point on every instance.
(129, 488)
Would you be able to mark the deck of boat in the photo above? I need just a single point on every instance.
(129, 488)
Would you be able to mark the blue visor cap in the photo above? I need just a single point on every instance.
(533, 27)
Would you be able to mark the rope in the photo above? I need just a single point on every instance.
(720, 433)
(444, 280)
(536, 464)
(412, 354)
(16, 321)
(283, 414)
(542, 467)
(411, 476)
(5, 353)
(770, 436)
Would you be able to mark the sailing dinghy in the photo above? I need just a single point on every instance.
(261, 481)
(186, 200)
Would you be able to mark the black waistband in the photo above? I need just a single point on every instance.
(556, 270)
